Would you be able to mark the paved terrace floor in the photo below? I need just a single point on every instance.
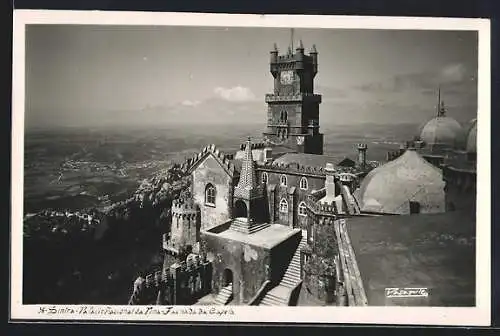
(425, 251)
(267, 237)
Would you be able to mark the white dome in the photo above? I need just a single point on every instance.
(442, 130)
(410, 178)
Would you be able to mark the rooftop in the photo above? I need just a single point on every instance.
(304, 159)
(434, 251)
(268, 237)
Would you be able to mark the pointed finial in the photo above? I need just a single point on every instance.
(275, 47)
(313, 49)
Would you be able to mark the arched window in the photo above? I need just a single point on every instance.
(303, 183)
(283, 116)
(283, 180)
(283, 205)
(302, 209)
(210, 194)
(264, 177)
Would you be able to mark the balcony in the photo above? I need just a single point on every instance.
(310, 97)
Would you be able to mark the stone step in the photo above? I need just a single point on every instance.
(278, 300)
(273, 301)
(293, 270)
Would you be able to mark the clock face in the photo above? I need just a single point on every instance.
(286, 77)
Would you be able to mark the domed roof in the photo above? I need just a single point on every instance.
(471, 145)
(390, 187)
(442, 130)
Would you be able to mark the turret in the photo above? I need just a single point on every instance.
(330, 184)
(362, 147)
(314, 55)
(185, 226)
(274, 60)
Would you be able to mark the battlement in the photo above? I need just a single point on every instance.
(325, 209)
(181, 283)
(312, 97)
(362, 146)
(305, 169)
(257, 145)
(224, 159)
(181, 207)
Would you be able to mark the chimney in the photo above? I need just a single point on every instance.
(362, 147)
(268, 154)
(330, 182)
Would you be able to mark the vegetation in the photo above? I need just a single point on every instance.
(75, 261)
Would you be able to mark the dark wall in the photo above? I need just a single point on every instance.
(281, 255)
(460, 190)
(247, 263)
(300, 195)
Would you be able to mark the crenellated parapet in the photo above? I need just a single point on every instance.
(321, 209)
(317, 171)
(181, 283)
(184, 208)
(256, 145)
(300, 97)
(221, 157)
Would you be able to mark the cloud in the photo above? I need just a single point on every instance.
(190, 103)
(455, 78)
(453, 73)
(235, 94)
(331, 93)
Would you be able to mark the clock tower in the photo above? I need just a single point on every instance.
(293, 107)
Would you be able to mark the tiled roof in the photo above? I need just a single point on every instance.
(247, 174)
(303, 159)
(390, 187)
(434, 251)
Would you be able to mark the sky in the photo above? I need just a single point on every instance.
(83, 75)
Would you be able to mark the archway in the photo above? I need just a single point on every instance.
(227, 277)
(240, 209)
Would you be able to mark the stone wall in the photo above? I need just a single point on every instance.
(210, 171)
(182, 284)
(247, 263)
(292, 218)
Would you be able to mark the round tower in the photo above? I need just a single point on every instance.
(185, 226)
(299, 56)
(274, 60)
(314, 55)
(362, 147)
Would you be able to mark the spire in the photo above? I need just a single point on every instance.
(441, 110)
(247, 175)
(292, 31)
(275, 47)
(313, 49)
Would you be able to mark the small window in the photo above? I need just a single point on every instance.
(283, 205)
(303, 183)
(283, 180)
(302, 209)
(264, 177)
(210, 194)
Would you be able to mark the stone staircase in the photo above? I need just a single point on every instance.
(279, 295)
(225, 295)
(241, 225)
